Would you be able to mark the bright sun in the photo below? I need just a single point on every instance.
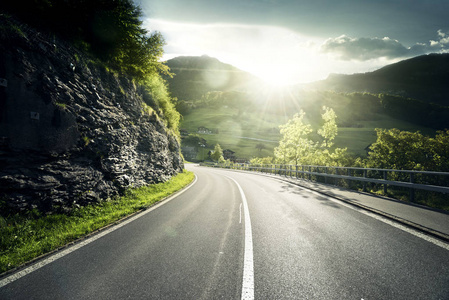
(276, 75)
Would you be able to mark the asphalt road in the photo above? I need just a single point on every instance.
(232, 234)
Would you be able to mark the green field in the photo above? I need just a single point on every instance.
(242, 132)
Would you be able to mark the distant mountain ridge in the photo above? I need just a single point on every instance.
(198, 75)
(425, 78)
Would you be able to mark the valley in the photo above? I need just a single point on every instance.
(242, 113)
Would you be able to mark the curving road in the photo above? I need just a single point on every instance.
(234, 235)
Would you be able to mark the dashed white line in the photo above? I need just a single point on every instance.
(248, 262)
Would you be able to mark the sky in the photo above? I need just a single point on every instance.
(298, 41)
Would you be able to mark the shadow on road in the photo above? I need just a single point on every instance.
(306, 195)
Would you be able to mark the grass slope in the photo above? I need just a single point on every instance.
(23, 238)
(241, 133)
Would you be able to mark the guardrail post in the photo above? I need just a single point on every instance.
(348, 172)
(385, 185)
(296, 171)
(326, 170)
(412, 190)
(364, 183)
(310, 175)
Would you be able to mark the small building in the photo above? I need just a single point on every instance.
(204, 130)
(229, 154)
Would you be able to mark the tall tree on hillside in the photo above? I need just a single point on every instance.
(295, 143)
(217, 154)
(329, 130)
(260, 147)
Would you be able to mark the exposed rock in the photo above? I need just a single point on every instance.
(72, 133)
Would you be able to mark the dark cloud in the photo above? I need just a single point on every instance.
(363, 49)
(409, 21)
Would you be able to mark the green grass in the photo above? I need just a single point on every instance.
(232, 127)
(256, 125)
(24, 237)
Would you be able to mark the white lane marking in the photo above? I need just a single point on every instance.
(13, 277)
(397, 225)
(248, 262)
(240, 220)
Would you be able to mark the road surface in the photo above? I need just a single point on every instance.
(233, 235)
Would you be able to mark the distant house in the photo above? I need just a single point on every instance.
(229, 154)
(204, 130)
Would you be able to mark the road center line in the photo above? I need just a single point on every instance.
(13, 277)
(248, 262)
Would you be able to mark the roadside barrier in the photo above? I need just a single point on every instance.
(403, 184)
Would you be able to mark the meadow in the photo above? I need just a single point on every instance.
(241, 132)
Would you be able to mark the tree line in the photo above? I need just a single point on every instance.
(111, 32)
(393, 149)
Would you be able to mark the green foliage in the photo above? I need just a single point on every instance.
(416, 111)
(262, 161)
(297, 146)
(329, 130)
(24, 237)
(260, 146)
(403, 150)
(157, 96)
(217, 154)
(111, 30)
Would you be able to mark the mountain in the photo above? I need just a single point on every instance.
(198, 75)
(425, 78)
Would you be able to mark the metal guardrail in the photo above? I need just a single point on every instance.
(412, 180)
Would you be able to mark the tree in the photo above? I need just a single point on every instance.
(403, 150)
(217, 154)
(296, 145)
(329, 130)
(111, 30)
(260, 147)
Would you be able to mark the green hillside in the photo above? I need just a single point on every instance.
(242, 133)
(246, 119)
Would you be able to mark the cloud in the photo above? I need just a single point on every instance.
(363, 49)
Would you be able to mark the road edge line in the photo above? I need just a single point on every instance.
(437, 235)
(45, 259)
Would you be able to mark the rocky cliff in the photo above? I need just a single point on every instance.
(71, 132)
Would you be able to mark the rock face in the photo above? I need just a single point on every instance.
(72, 133)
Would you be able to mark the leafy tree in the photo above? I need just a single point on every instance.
(296, 145)
(403, 150)
(110, 29)
(260, 146)
(262, 161)
(217, 154)
(329, 130)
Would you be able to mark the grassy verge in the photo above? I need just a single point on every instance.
(23, 238)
